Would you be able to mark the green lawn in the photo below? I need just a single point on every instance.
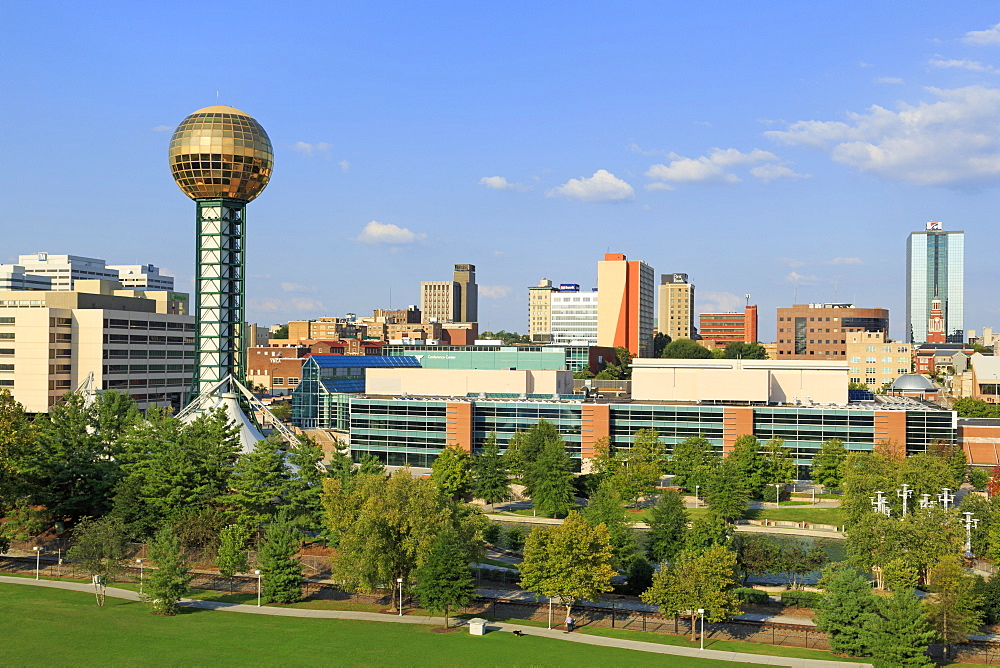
(51, 627)
(815, 515)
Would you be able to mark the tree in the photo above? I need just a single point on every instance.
(660, 341)
(232, 556)
(640, 576)
(491, 480)
(968, 407)
(686, 349)
(795, 560)
(988, 592)
(928, 474)
(706, 531)
(102, 549)
(953, 609)
(727, 491)
(953, 456)
(605, 507)
(693, 462)
(749, 465)
(828, 464)
(778, 465)
(641, 467)
(280, 333)
(281, 570)
(257, 484)
(304, 484)
(569, 561)
(667, 527)
(755, 554)
(863, 474)
(168, 582)
(444, 581)
(67, 467)
(993, 487)
(281, 410)
(15, 438)
(384, 527)
(549, 481)
(526, 446)
(747, 351)
(698, 580)
(896, 633)
(848, 603)
(452, 471)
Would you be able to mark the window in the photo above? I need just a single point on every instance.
(6, 321)
(278, 380)
(855, 359)
(6, 335)
(870, 349)
(293, 381)
(870, 359)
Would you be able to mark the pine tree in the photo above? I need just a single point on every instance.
(550, 480)
(281, 570)
(304, 484)
(232, 555)
(444, 581)
(897, 634)
(168, 582)
(492, 480)
(848, 603)
(258, 479)
(667, 527)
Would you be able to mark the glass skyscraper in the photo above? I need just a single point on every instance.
(935, 269)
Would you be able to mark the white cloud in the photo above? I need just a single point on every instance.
(844, 260)
(162, 128)
(387, 233)
(983, 37)
(306, 148)
(344, 166)
(800, 279)
(791, 262)
(713, 168)
(719, 302)
(769, 172)
(300, 305)
(494, 291)
(971, 65)
(955, 140)
(887, 80)
(603, 186)
(659, 186)
(295, 287)
(500, 183)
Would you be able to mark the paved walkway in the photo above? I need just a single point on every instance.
(636, 645)
(748, 528)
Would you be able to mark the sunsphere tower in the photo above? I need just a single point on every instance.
(222, 159)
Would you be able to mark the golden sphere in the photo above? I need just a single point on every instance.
(221, 152)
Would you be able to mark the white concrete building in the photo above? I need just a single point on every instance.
(64, 270)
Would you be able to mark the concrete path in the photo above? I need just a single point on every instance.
(749, 528)
(635, 645)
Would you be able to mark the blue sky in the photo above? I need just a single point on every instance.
(761, 148)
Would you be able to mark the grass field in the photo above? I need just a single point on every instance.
(791, 514)
(51, 627)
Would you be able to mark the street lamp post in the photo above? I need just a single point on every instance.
(777, 495)
(945, 498)
(399, 581)
(140, 562)
(550, 614)
(696, 499)
(970, 524)
(905, 495)
(701, 611)
(257, 573)
(38, 559)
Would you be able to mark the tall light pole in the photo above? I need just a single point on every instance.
(701, 611)
(970, 524)
(38, 559)
(696, 499)
(777, 495)
(399, 581)
(905, 495)
(257, 573)
(140, 562)
(945, 498)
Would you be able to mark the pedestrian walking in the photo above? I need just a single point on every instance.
(569, 624)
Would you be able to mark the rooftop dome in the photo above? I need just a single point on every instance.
(221, 152)
(913, 382)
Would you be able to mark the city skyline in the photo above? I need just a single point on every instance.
(778, 153)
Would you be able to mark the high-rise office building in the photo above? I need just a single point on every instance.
(806, 331)
(935, 269)
(676, 306)
(574, 316)
(719, 329)
(47, 271)
(468, 293)
(540, 311)
(456, 300)
(625, 311)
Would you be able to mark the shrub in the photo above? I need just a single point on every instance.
(751, 595)
(802, 599)
(491, 533)
(514, 538)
